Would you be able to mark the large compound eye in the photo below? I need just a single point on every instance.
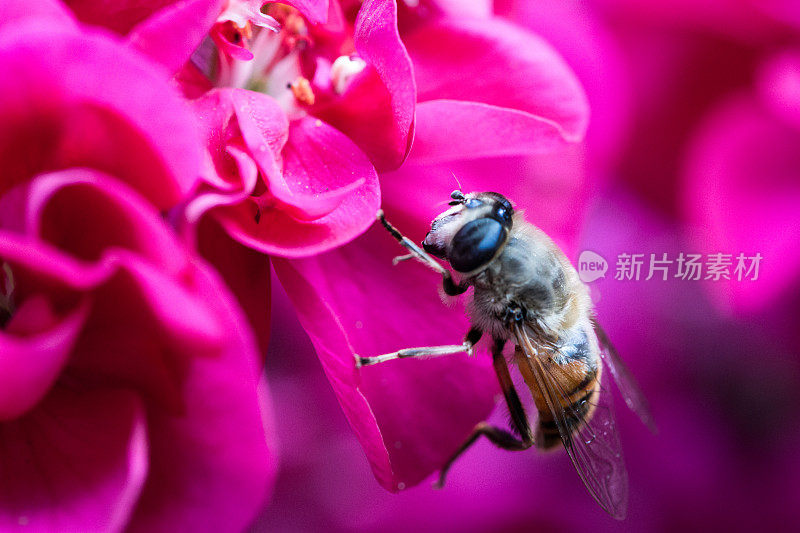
(476, 244)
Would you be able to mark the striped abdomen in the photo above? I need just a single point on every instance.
(575, 385)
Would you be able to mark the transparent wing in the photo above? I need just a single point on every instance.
(593, 445)
(631, 393)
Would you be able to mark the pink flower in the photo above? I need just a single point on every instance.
(130, 387)
(279, 186)
(291, 170)
(291, 166)
(131, 395)
(490, 98)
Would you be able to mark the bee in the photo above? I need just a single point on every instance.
(525, 291)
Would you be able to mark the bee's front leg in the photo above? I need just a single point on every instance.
(450, 287)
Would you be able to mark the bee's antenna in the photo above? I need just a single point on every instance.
(460, 188)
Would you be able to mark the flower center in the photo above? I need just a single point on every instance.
(6, 294)
(272, 51)
(258, 50)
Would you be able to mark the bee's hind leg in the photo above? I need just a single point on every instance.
(472, 338)
(499, 437)
(450, 287)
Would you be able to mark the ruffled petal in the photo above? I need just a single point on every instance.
(117, 15)
(581, 35)
(408, 415)
(76, 463)
(497, 63)
(171, 35)
(52, 116)
(377, 108)
(457, 130)
(52, 11)
(30, 364)
(169, 331)
(246, 273)
(212, 465)
(316, 11)
(326, 176)
(111, 217)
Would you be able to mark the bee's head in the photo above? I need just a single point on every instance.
(471, 233)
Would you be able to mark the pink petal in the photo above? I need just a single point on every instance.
(51, 10)
(52, 116)
(46, 265)
(742, 19)
(779, 86)
(215, 113)
(497, 63)
(264, 127)
(248, 173)
(471, 8)
(111, 216)
(317, 175)
(377, 110)
(120, 231)
(324, 171)
(29, 365)
(212, 466)
(118, 15)
(741, 191)
(176, 336)
(75, 463)
(184, 24)
(581, 35)
(265, 130)
(316, 11)
(182, 315)
(158, 329)
(408, 415)
(246, 273)
(449, 130)
(784, 10)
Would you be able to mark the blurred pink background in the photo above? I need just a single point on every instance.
(693, 147)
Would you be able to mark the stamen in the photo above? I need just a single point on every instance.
(301, 89)
(242, 13)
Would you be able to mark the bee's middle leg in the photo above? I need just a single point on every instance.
(471, 339)
(499, 437)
